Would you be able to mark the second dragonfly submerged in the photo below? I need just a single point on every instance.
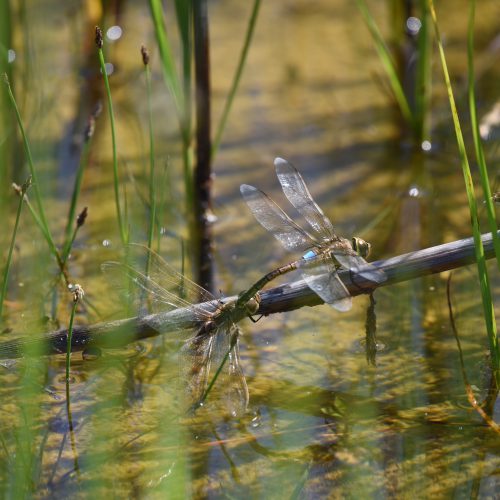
(325, 250)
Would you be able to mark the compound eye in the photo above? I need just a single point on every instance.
(361, 247)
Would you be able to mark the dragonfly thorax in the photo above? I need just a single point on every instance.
(360, 246)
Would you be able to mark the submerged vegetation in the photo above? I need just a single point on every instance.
(143, 172)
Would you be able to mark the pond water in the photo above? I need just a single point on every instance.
(327, 417)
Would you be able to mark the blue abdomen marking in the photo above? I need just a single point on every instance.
(309, 255)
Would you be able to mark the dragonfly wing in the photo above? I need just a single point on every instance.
(298, 194)
(152, 265)
(277, 222)
(324, 280)
(195, 360)
(141, 291)
(233, 380)
(358, 265)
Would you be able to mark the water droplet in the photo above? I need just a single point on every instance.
(11, 56)
(109, 68)
(426, 145)
(114, 33)
(106, 243)
(414, 192)
(413, 25)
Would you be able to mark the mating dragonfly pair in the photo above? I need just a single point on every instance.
(213, 345)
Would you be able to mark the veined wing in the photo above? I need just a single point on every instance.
(232, 379)
(142, 258)
(195, 362)
(202, 357)
(358, 265)
(298, 194)
(324, 280)
(277, 222)
(149, 292)
(145, 294)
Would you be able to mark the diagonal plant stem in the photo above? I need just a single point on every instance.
(22, 192)
(388, 63)
(237, 76)
(488, 311)
(483, 171)
(121, 223)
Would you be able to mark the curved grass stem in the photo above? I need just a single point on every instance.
(3, 291)
(102, 63)
(488, 311)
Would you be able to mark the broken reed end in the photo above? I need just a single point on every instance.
(145, 55)
(80, 220)
(89, 129)
(99, 37)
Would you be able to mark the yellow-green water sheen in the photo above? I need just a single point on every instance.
(322, 421)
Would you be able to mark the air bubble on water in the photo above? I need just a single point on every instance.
(106, 243)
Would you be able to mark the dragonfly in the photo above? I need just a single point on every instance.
(212, 349)
(325, 251)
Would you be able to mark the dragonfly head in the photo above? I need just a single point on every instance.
(252, 305)
(361, 247)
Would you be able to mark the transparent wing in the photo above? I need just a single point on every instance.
(148, 292)
(325, 282)
(298, 194)
(358, 265)
(202, 356)
(277, 222)
(233, 381)
(150, 263)
(195, 361)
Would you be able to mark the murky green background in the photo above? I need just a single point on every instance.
(322, 421)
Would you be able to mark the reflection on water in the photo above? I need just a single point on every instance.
(321, 421)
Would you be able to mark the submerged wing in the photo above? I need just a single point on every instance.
(298, 194)
(195, 360)
(325, 282)
(203, 356)
(232, 379)
(277, 222)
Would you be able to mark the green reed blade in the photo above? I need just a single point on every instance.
(168, 65)
(88, 134)
(3, 291)
(483, 170)
(184, 14)
(388, 63)
(488, 311)
(423, 84)
(102, 63)
(27, 150)
(152, 175)
(237, 76)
